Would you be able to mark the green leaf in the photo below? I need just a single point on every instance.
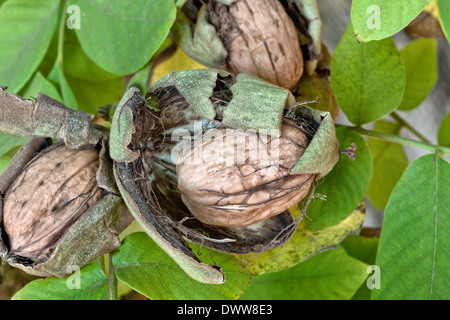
(413, 254)
(344, 187)
(389, 161)
(78, 65)
(141, 78)
(7, 142)
(444, 131)
(444, 13)
(363, 249)
(47, 63)
(122, 36)
(92, 285)
(379, 19)
(40, 84)
(58, 78)
(146, 268)
(92, 86)
(303, 245)
(329, 275)
(368, 79)
(6, 158)
(421, 66)
(93, 94)
(26, 29)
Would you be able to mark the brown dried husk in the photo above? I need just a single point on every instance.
(50, 194)
(234, 178)
(260, 39)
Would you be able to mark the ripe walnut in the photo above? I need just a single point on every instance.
(260, 39)
(50, 194)
(245, 181)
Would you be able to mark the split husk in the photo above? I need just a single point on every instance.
(146, 133)
(275, 40)
(59, 205)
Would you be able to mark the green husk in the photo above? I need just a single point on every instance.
(47, 117)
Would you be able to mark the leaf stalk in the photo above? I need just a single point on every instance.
(404, 124)
(400, 140)
(112, 279)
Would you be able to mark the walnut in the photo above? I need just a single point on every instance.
(236, 178)
(260, 39)
(50, 194)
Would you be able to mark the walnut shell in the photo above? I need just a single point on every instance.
(50, 194)
(234, 178)
(261, 39)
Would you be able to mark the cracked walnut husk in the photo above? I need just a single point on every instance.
(275, 40)
(59, 205)
(217, 160)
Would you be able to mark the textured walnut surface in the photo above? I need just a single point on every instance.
(260, 39)
(53, 190)
(236, 178)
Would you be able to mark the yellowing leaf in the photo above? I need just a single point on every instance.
(179, 61)
(433, 9)
(328, 276)
(444, 131)
(421, 67)
(304, 244)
